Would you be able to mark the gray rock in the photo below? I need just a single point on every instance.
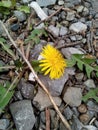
(23, 115)
(55, 86)
(87, 4)
(52, 115)
(43, 3)
(73, 96)
(96, 123)
(70, 16)
(79, 8)
(53, 118)
(15, 27)
(74, 2)
(90, 127)
(67, 52)
(54, 30)
(75, 111)
(89, 83)
(46, 10)
(78, 37)
(4, 123)
(95, 23)
(92, 106)
(85, 11)
(68, 5)
(73, 38)
(41, 100)
(43, 117)
(27, 89)
(20, 15)
(95, 5)
(79, 76)
(68, 113)
(76, 124)
(62, 126)
(62, 15)
(18, 95)
(37, 49)
(78, 27)
(63, 31)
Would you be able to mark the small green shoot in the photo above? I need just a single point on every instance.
(6, 47)
(35, 36)
(6, 92)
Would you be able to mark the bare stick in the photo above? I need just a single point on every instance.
(47, 119)
(37, 79)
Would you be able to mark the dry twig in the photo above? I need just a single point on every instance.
(37, 79)
(47, 119)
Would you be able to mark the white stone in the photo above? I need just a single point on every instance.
(38, 10)
(31, 77)
(78, 27)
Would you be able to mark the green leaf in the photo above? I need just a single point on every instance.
(18, 63)
(70, 63)
(6, 92)
(5, 3)
(88, 69)
(35, 35)
(92, 94)
(4, 96)
(35, 65)
(6, 47)
(86, 61)
(24, 8)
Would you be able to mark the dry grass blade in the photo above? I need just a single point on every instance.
(37, 79)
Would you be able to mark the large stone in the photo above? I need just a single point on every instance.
(41, 100)
(67, 52)
(73, 96)
(55, 86)
(43, 3)
(78, 27)
(23, 115)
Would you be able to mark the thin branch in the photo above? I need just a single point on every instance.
(49, 16)
(47, 119)
(37, 79)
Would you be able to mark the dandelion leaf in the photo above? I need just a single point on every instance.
(88, 69)
(5, 96)
(92, 94)
(6, 47)
(83, 61)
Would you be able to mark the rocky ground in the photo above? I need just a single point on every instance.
(72, 27)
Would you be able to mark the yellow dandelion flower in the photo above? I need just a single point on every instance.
(52, 62)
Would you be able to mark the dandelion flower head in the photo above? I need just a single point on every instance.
(52, 62)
